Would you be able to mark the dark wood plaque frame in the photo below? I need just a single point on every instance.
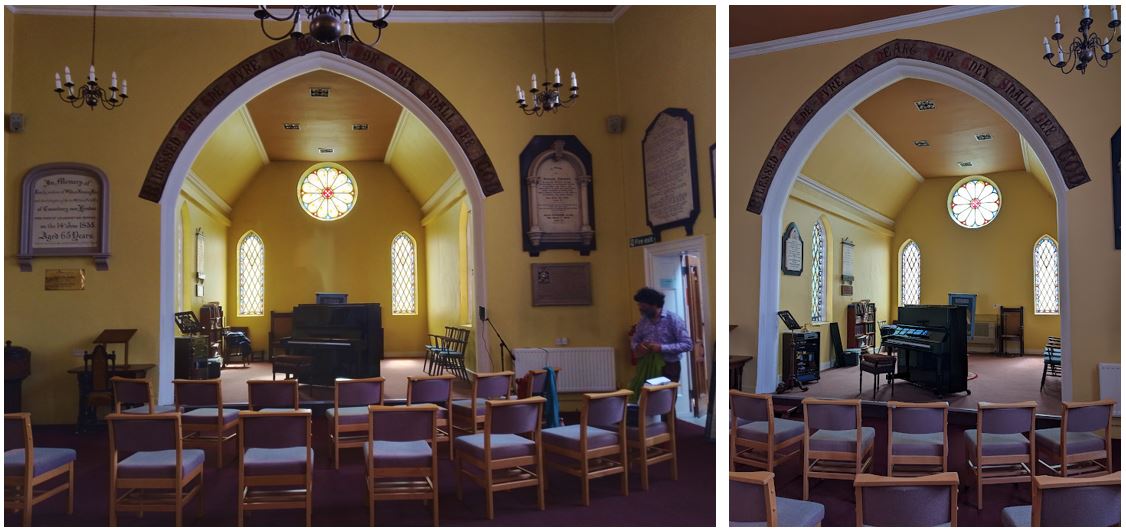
(688, 222)
(572, 147)
(99, 252)
(543, 272)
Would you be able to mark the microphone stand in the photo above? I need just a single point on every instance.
(503, 345)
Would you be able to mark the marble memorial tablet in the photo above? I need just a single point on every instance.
(792, 250)
(672, 196)
(557, 197)
(65, 213)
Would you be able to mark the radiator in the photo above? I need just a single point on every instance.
(985, 334)
(581, 369)
(1110, 383)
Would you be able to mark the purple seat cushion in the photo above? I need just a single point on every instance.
(464, 406)
(503, 445)
(400, 453)
(996, 444)
(280, 461)
(904, 444)
(208, 415)
(1017, 516)
(349, 415)
(45, 459)
(144, 409)
(270, 409)
(568, 437)
(654, 427)
(1077, 442)
(841, 441)
(793, 513)
(784, 429)
(159, 464)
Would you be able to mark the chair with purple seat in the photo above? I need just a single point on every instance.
(753, 502)
(437, 390)
(204, 420)
(1076, 447)
(27, 466)
(272, 396)
(1070, 502)
(588, 451)
(930, 500)
(836, 444)
(503, 457)
(135, 392)
(349, 413)
(758, 439)
(917, 439)
(1003, 454)
(471, 412)
(401, 455)
(158, 471)
(276, 470)
(654, 439)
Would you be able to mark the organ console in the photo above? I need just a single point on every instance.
(931, 342)
(341, 340)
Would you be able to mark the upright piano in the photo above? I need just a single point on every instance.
(342, 340)
(931, 342)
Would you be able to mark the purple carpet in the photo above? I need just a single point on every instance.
(339, 497)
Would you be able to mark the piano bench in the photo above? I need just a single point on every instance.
(291, 365)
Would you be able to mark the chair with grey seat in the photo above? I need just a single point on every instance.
(26, 467)
(272, 396)
(753, 503)
(837, 446)
(135, 392)
(1070, 501)
(758, 439)
(1080, 446)
(1003, 454)
(930, 500)
(917, 439)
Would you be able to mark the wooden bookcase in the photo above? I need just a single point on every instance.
(860, 327)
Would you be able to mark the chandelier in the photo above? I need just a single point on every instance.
(1083, 50)
(90, 93)
(547, 98)
(327, 24)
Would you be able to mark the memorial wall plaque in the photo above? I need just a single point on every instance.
(566, 283)
(65, 213)
(672, 194)
(792, 250)
(64, 279)
(556, 195)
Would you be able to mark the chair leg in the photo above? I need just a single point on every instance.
(1044, 376)
(435, 507)
(488, 492)
(199, 495)
(805, 478)
(541, 485)
(70, 489)
(179, 505)
(644, 463)
(458, 473)
(586, 482)
(977, 475)
(625, 473)
(672, 447)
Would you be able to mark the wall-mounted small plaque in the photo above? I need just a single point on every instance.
(644, 240)
(65, 279)
(566, 283)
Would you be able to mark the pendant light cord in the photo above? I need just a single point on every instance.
(543, 28)
(93, 34)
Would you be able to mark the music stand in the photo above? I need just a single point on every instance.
(116, 336)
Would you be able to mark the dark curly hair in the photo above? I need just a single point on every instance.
(649, 296)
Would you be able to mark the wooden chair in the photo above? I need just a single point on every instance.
(930, 500)
(452, 357)
(135, 392)
(243, 354)
(281, 326)
(1002, 455)
(1011, 328)
(1070, 502)
(437, 390)
(653, 440)
(438, 343)
(758, 439)
(753, 502)
(471, 412)
(95, 389)
(401, 443)
(589, 451)
(503, 457)
(534, 382)
(836, 444)
(272, 396)
(349, 414)
(1053, 358)
(292, 366)
(158, 471)
(917, 438)
(276, 469)
(27, 466)
(877, 365)
(204, 420)
(1076, 447)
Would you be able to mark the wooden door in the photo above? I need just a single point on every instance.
(698, 385)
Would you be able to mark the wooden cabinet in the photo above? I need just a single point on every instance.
(860, 325)
(801, 353)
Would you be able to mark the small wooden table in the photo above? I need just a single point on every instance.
(737, 363)
(129, 371)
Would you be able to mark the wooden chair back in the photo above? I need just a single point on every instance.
(99, 366)
(272, 394)
(917, 418)
(930, 500)
(752, 497)
(272, 430)
(17, 435)
(1012, 321)
(281, 326)
(132, 392)
(1077, 501)
(1088, 416)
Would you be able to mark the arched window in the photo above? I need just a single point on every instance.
(817, 273)
(910, 274)
(404, 275)
(1046, 276)
(251, 275)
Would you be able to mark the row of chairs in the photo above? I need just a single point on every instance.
(1004, 448)
(930, 500)
(447, 353)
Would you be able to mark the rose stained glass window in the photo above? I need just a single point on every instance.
(817, 272)
(1046, 276)
(404, 269)
(910, 274)
(251, 275)
(974, 202)
(327, 193)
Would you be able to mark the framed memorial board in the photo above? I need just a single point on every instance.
(556, 195)
(792, 250)
(565, 283)
(672, 192)
(64, 213)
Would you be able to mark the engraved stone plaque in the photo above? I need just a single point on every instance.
(557, 284)
(672, 196)
(64, 214)
(557, 198)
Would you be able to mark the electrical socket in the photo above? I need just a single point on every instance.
(561, 341)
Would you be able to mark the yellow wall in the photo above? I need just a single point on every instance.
(351, 255)
(994, 262)
(231, 158)
(416, 157)
(214, 259)
(760, 108)
(445, 262)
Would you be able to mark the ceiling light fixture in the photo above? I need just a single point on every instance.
(965, 164)
(983, 137)
(1083, 50)
(546, 99)
(90, 93)
(925, 105)
(922, 143)
(327, 24)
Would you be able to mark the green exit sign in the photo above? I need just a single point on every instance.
(642, 240)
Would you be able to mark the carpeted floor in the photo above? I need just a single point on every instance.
(339, 496)
(394, 370)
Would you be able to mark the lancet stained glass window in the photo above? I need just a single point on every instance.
(910, 274)
(1046, 276)
(817, 272)
(327, 193)
(974, 202)
(404, 269)
(251, 275)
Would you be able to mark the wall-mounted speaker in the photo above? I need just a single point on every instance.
(13, 123)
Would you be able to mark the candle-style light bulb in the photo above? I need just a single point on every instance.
(1047, 47)
(124, 87)
(1113, 13)
(518, 91)
(113, 80)
(535, 83)
(380, 12)
(1106, 46)
(67, 71)
(557, 76)
(1086, 11)
(92, 73)
(1057, 25)
(58, 82)
(574, 80)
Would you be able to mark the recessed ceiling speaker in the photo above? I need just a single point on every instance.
(615, 124)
